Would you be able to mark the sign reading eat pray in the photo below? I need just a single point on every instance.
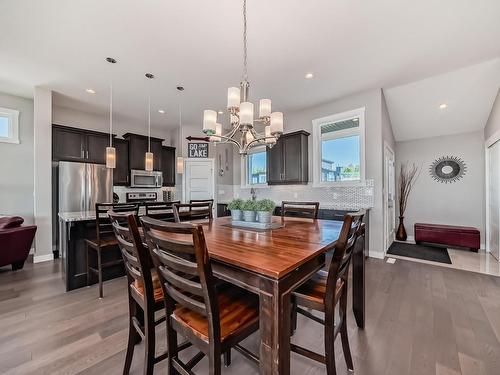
(197, 150)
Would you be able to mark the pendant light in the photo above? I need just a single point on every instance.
(149, 155)
(110, 150)
(180, 159)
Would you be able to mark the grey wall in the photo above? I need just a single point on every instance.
(493, 123)
(16, 163)
(459, 203)
(387, 134)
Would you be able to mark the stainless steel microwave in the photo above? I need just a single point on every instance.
(145, 179)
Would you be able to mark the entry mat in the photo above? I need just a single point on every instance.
(434, 254)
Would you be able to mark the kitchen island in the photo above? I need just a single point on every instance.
(74, 228)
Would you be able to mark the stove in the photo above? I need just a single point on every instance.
(141, 197)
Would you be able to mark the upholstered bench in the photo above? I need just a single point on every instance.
(449, 235)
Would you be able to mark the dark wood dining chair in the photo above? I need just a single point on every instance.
(192, 211)
(105, 239)
(214, 318)
(325, 291)
(202, 201)
(145, 295)
(300, 209)
(161, 210)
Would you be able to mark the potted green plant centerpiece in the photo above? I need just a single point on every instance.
(248, 209)
(235, 207)
(265, 208)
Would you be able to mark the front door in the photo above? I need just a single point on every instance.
(198, 179)
(494, 199)
(389, 197)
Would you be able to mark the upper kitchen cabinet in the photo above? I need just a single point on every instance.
(121, 172)
(71, 144)
(168, 165)
(138, 146)
(287, 161)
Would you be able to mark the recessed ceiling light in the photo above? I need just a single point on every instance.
(161, 111)
(443, 106)
(309, 75)
(90, 91)
(221, 112)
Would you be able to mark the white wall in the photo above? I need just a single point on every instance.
(459, 203)
(43, 173)
(16, 184)
(493, 123)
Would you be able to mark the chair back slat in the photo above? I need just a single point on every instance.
(135, 256)
(342, 254)
(161, 210)
(193, 211)
(177, 260)
(104, 229)
(300, 209)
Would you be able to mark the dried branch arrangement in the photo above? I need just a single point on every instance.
(407, 178)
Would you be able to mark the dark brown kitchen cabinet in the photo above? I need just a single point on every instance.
(72, 144)
(287, 161)
(168, 165)
(121, 172)
(138, 146)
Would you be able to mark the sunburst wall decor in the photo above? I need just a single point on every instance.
(447, 169)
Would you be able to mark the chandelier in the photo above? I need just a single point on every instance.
(241, 114)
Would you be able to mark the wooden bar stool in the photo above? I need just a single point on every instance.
(300, 209)
(105, 239)
(325, 291)
(192, 211)
(213, 319)
(145, 295)
(161, 210)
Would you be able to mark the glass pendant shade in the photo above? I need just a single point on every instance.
(264, 108)
(149, 161)
(276, 122)
(233, 97)
(246, 113)
(267, 133)
(209, 121)
(110, 157)
(218, 133)
(180, 165)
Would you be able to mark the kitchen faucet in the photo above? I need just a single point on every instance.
(253, 193)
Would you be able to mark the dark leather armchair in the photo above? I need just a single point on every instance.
(15, 241)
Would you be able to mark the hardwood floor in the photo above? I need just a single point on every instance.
(421, 319)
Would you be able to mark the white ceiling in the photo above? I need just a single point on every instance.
(350, 45)
(469, 94)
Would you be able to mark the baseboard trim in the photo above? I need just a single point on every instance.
(376, 254)
(43, 258)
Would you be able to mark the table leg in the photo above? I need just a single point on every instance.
(274, 329)
(358, 282)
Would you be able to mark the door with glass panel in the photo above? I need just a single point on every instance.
(494, 199)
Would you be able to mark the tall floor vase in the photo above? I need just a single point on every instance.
(401, 233)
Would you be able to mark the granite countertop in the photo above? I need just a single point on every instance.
(326, 206)
(77, 216)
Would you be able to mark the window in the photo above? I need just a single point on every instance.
(339, 148)
(9, 131)
(256, 168)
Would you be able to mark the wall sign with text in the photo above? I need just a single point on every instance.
(197, 150)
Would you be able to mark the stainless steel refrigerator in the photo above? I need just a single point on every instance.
(82, 185)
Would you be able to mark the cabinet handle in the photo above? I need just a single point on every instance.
(82, 153)
(87, 154)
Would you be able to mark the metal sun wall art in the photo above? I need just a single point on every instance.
(447, 169)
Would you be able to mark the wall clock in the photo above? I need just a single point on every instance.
(447, 169)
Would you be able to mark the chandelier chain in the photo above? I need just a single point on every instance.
(245, 54)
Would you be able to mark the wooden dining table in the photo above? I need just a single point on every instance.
(272, 263)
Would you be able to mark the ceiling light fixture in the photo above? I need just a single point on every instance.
(309, 76)
(241, 113)
(221, 112)
(90, 91)
(110, 150)
(161, 111)
(443, 106)
(148, 161)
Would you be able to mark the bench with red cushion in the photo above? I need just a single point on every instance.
(449, 235)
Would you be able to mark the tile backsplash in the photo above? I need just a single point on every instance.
(342, 197)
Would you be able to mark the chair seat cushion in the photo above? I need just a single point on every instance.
(158, 291)
(238, 311)
(10, 222)
(312, 293)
